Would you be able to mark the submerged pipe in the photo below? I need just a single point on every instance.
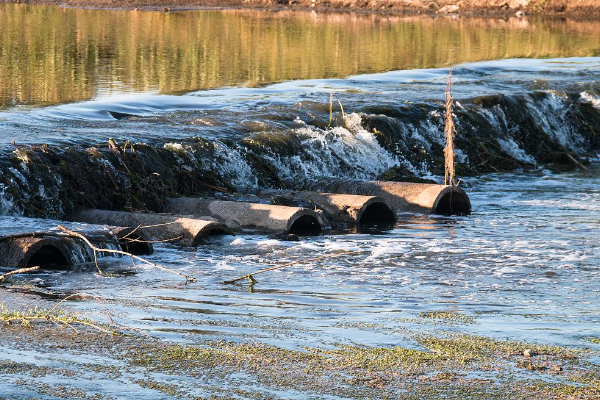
(158, 227)
(343, 208)
(264, 217)
(51, 250)
(407, 196)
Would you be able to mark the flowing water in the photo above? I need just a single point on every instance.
(219, 90)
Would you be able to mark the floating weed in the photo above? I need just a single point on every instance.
(565, 390)
(448, 316)
(595, 340)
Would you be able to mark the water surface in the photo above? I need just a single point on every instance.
(212, 92)
(51, 55)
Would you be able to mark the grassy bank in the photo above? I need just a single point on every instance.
(493, 7)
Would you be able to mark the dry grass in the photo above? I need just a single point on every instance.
(449, 132)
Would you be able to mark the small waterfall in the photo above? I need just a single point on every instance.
(398, 141)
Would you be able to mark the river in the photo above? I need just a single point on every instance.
(243, 97)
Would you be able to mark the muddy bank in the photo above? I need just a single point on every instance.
(493, 7)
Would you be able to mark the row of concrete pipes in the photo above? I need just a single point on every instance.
(190, 220)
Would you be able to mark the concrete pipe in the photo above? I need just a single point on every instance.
(343, 208)
(157, 227)
(133, 240)
(51, 250)
(263, 217)
(406, 196)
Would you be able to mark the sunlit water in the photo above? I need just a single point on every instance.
(525, 265)
(52, 55)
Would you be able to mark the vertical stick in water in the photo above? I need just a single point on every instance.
(449, 133)
(330, 107)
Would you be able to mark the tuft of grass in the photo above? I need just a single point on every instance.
(449, 133)
(54, 316)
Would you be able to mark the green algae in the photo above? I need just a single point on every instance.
(171, 390)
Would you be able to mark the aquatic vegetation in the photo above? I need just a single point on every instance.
(58, 317)
(448, 316)
(345, 371)
(465, 348)
(449, 133)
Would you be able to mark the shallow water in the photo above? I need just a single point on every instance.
(524, 266)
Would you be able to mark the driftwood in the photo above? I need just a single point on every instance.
(18, 271)
(119, 252)
(28, 252)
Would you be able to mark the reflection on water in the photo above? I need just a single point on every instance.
(52, 55)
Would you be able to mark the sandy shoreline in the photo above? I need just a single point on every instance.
(479, 7)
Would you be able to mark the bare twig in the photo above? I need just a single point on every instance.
(18, 271)
(128, 237)
(68, 298)
(580, 165)
(251, 276)
(96, 249)
(142, 226)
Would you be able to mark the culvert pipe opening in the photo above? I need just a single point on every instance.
(134, 242)
(212, 232)
(306, 225)
(48, 257)
(453, 203)
(377, 213)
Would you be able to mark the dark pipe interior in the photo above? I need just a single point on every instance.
(48, 256)
(453, 203)
(210, 232)
(135, 244)
(306, 225)
(377, 214)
